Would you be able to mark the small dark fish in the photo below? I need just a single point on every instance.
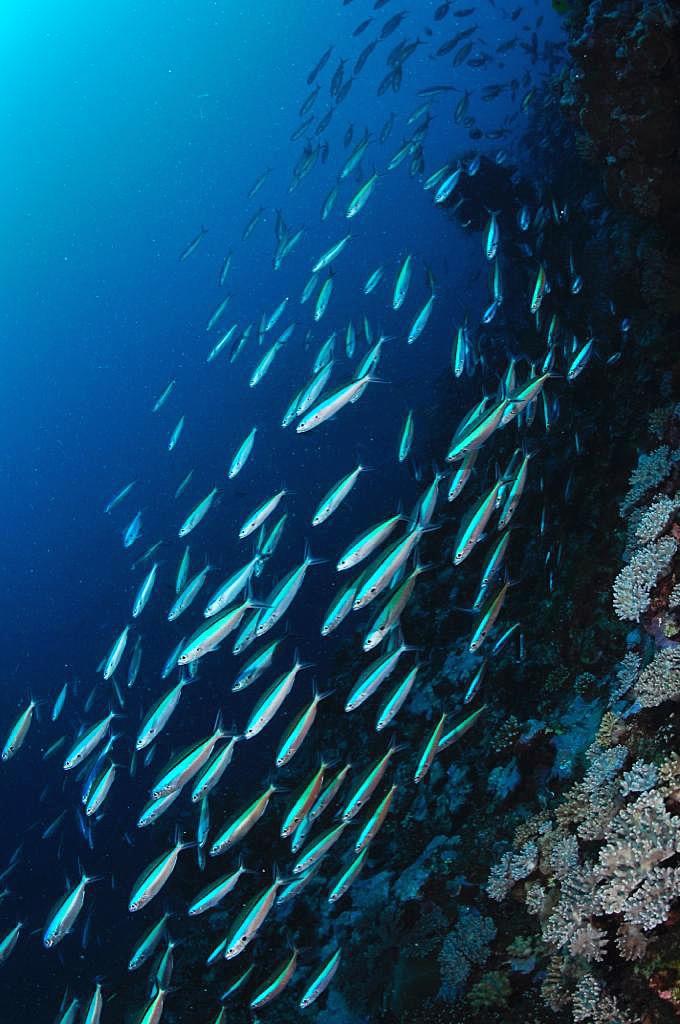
(436, 90)
(379, 3)
(462, 54)
(309, 102)
(505, 47)
(516, 13)
(392, 24)
(324, 152)
(193, 245)
(344, 91)
(348, 135)
(464, 12)
(325, 121)
(364, 55)
(301, 129)
(479, 61)
(386, 83)
(336, 80)
(362, 27)
(446, 47)
(386, 129)
(320, 66)
(442, 10)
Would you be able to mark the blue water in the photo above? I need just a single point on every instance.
(126, 130)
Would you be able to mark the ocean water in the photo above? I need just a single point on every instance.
(128, 130)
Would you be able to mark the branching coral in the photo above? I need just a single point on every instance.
(633, 585)
(467, 945)
(511, 868)
(660, 680)
(656, 518)
(650, 471)
(642, 836)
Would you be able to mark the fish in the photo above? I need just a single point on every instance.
(361, 197)
(242, 455)
(459, 730)
(214, 893)
(123, 493)
(155, 808)
(250, 921)
(386, 567)
(303, 802)
(221, 344)
(580, 360)
(252, 224)
(295, 733)
(430, 750)
(473, 434)
(474, 524)
(369, 783)
(323, 298)
(155, 876)
(319, 848)
(218, 313)
(335, 496)
(282, 973)
(100, 790)
(347, 877)
(420, 322)
(373, 676)
(367, 542)
(406, 439)
(154, 1010)
(373, 280)
(460, 350)
(8, 942)
(402, 282)
(184, 484)
(326, 210)
(197, 514)
(270, 702)
(184, 766)
(133, 531)
(389, 615)
(447, 186)
(261, 514)
(339, 608)
(321, 979)
(193, 245)
(353, 161)
(189, 594)
(239, 826)
(514, 493)
(330, 406)
(396, 699)
(148, 944)
(233, 586)
(330, 255)
(64, 916)
(487, 619)
(213, 771)
(87, 742)
(375, 822)
(264, 364)
(144, 592)
(18, 732)
(159, 715)
(311, 392)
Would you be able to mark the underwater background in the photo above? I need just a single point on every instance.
(525, 217)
